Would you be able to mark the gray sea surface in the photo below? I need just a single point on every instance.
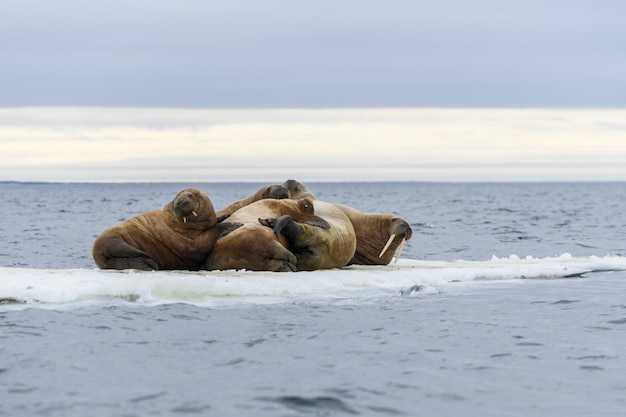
(540, 347)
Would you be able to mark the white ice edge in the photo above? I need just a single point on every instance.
(61, 286)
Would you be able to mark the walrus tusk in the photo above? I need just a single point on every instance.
(194, 213)
(400, 250)
(184, 219)
(387, 245)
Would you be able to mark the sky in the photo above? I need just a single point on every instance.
(323, 53)
(433, 90)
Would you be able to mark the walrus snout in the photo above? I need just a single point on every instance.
(184, 207)
(398, 229)
(401, 228)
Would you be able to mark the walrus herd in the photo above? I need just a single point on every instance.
(278, 228)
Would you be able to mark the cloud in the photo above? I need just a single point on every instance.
(105, 144)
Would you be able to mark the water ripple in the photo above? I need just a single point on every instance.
(316, 405)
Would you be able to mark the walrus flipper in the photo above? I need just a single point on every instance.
(223, 217)
(284, 225)
(121, 255)
(291, 228)
(227, 227)
(141, 263)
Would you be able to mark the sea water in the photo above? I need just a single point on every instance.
(508, 301)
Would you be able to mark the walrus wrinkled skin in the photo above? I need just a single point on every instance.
(180, 236)
(273, 191)
(300, 235)
(373, 230)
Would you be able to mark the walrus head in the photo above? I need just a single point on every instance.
(378, 236)
(298, 190)
(194, 207)
(277, 192)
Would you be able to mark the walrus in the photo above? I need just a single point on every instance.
(286, 235)
(180, 236)
(378, 235)
(272, 191)
(253, 247)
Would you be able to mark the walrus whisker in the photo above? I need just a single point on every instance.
(387, 245)
(400, 250)
(194, 213)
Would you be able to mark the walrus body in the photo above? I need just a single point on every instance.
(180, 236)
(273, 191)
(317, 235)
(378, 235)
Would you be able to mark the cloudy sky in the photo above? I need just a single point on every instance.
(442, 90)
(323, 53)
(270, 145)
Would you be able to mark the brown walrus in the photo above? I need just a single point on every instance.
(180, 236)
(302, 235)
(377, 235)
